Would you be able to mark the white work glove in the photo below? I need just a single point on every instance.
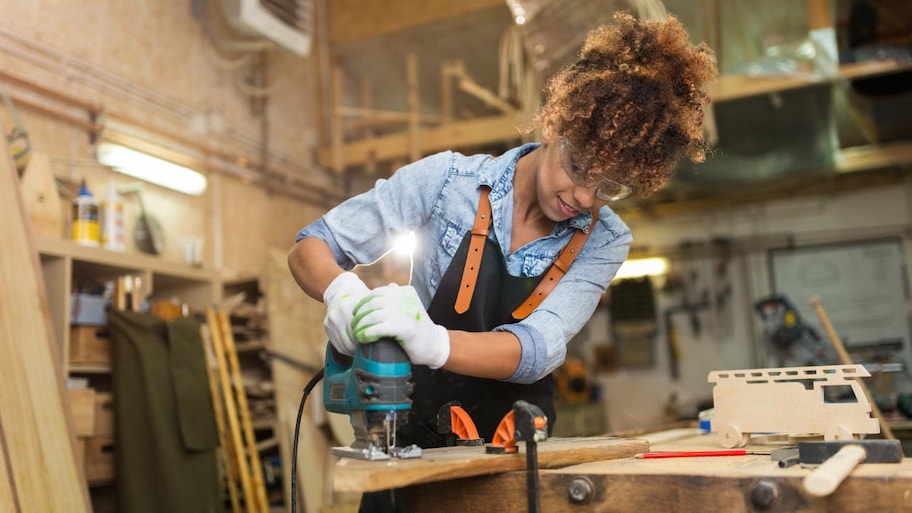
(341, 296)
(396, 312)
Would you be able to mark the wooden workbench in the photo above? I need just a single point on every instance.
(608, 478)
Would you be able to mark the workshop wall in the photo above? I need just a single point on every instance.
(152, 63)
(159, 71)
(730, 336)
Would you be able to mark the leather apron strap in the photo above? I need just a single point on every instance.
(557, 270)
(480, 232)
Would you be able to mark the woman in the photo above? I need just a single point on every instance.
(487, 316)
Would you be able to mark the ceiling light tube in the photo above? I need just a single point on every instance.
(637, 267)
(151, 169)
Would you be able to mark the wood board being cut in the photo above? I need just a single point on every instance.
(352, 475)
(733, 484)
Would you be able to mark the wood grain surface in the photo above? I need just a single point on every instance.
(736, 484)
(449, 463)
(742, 484)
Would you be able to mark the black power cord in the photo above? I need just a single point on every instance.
(294, 449)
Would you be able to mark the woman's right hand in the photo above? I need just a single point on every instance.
(340, 297)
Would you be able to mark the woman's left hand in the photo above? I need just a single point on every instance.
(397, 312)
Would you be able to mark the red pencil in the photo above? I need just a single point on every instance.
(691, 454)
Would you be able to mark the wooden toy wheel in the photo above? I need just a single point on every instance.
(838, 432)
(732, 437)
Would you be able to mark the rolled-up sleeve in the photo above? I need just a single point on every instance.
(544, 334)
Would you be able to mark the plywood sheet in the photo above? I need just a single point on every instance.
(42, 202)
(36, 437)
(449, 463)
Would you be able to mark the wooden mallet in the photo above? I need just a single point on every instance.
(838, 458)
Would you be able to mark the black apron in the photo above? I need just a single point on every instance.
(496, 296)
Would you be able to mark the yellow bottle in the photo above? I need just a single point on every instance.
(85, 218)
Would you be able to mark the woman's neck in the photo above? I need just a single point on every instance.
(529, 221)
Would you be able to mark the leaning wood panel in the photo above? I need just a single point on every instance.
(450, 463)
(296, 331)
(36, 436)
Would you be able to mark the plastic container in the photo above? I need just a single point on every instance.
(112, 220)
(86, 230)
(705, 418)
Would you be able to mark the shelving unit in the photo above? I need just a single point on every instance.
(65, 264)
(248, 319)
(66, 268)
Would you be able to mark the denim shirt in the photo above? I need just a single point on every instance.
(436, 198)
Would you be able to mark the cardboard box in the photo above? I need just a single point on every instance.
(99, 459)
(82, 406)
(90, 345)
(104, 414)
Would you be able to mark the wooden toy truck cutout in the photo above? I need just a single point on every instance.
(779, 400)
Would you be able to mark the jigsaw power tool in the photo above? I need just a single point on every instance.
(374, 389)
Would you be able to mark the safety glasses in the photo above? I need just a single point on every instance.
(605, 188)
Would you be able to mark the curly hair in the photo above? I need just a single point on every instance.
(632, 104)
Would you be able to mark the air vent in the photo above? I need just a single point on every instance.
(288, 23)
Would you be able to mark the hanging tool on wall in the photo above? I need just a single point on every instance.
(18, 139)
(794, 342)
(148, 234)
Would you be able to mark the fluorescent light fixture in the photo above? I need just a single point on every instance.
(638, 267)
(151, 169)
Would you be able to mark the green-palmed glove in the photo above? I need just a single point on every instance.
(341, 296)
(396, 312)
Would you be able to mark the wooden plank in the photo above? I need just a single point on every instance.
(231, 410)
(36, 433)
(452, 136)
(234, 368)
(355, 20)
(129, 262)
(696, 485)
(449, 463)
(225, 454)
(42, 201)
(735, 86)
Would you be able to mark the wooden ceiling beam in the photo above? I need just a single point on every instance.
(452, 136)
(356, 20)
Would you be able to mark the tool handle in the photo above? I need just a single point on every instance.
(827, 477)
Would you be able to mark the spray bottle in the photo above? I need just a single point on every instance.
(85, 218)
(112, 220)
